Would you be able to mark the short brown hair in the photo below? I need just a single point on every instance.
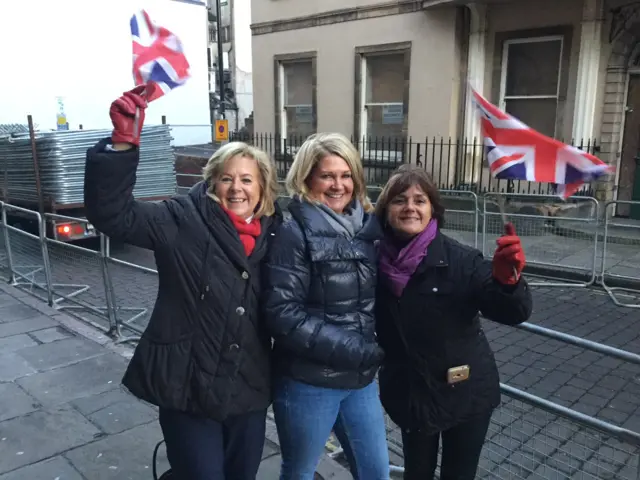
(405, 177)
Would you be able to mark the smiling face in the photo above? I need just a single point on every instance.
(409, 213)
(331, 183)
(238, 186)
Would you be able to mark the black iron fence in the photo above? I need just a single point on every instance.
(454, 164)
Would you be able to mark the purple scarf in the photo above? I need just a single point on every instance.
(398, 266)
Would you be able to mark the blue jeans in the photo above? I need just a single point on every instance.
(305, 416)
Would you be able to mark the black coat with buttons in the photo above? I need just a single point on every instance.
(205, 350)
(435, 326)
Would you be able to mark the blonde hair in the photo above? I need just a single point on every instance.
(314, 149)
(268, 180)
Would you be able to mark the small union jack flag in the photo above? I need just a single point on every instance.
(517, 152)
(158, 57)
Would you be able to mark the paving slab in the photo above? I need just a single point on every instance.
(50, 356)
(16, 342)
(124, 456)
(13, 366)
(56, 468)
(24, 326)
(94, 375)
(15, 401)
(53, 334)
(39, 435)
(16, 312)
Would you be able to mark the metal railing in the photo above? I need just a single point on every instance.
(453, 163)
(621, 258)
(529, 435)
(557, 235)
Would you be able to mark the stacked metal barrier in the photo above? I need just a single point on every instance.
(61, 159)
(529, 437)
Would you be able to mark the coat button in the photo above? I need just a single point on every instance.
(435, 289)
(245, 275)
(240, 311)
(233, 347)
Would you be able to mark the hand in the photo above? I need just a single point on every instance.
(509, 260)
(127, 116)
(373, 355)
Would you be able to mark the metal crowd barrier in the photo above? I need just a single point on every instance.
(89, 296)
(26, 253)
(621, 258)
(462, 216)
(567, 242)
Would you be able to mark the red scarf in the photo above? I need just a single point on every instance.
(248, 231)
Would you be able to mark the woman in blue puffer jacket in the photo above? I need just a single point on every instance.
(321, 274)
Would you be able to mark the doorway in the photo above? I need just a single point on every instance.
(629, 177)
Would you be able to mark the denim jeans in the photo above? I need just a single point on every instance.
(305, 416)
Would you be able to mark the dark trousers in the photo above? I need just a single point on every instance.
(202, 449)
(461, 447)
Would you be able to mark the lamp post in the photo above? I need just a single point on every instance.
(220, 59)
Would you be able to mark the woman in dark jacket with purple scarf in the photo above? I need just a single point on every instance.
(439, 378)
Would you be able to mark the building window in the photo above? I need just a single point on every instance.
(296, 110)
(382, 99)
(225, 33)
(530, 81)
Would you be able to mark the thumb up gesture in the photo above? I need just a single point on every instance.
(509, 259)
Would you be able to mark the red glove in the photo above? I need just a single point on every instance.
(509, 260)
(127, 116)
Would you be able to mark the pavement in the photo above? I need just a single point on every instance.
(64, 415)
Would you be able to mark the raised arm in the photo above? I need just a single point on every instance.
(110, 176)
(291, 325)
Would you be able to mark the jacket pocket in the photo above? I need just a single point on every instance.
(161, 372)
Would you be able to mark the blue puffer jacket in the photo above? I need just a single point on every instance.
(320, 295)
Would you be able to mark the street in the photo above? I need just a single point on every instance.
(584, 381)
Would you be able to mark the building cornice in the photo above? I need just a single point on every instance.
(337, 16)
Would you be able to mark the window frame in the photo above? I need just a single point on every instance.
(504, 98)
(280, 62)
(361, 104)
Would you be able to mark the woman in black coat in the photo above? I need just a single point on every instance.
(439, 379)
(204, 357)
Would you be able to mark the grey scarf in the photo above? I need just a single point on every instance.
(349, 223)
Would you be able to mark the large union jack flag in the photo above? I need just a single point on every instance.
(517, 152)
(158, 57)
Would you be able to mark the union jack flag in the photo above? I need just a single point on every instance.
(158, 57)
(517, 152)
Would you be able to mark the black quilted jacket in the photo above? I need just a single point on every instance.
(206, 350)
(435, 326)
(320, 300)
